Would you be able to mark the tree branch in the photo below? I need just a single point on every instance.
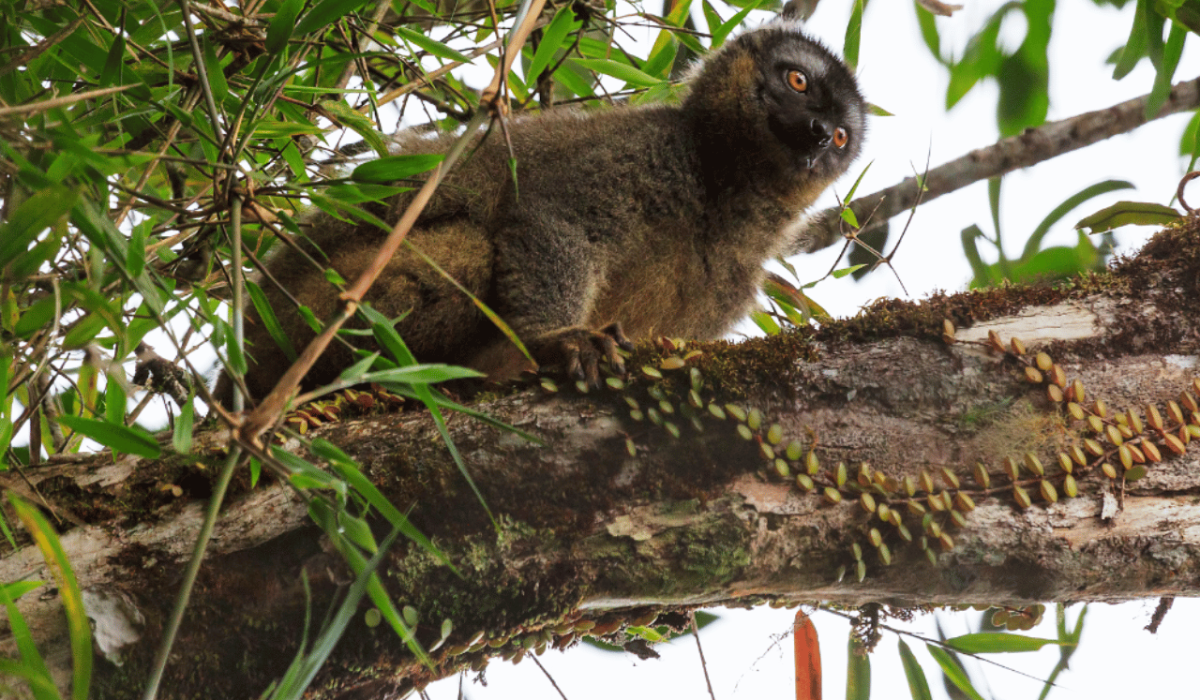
(1034, 146)
(594, 536)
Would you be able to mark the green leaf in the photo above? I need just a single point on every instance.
(1154, 32)
(392, 168)
(181, 439)
(136, 258)
(1125, 213)
(118, 437)
(918, 686)
(1054, 263)
(877, 111)
(420, 374)
(32, 667)
(114, 64)
(361, 125)
(326, 13)
(78, 626)
(721, 33)
(953, 671)
(1035, 239)
(267, 315)
(433, 46)
(858, 672)
(553, 38)
(996, 643)
(390, 340)
(6, 433)
(280, 29)
(838, 274)
(765, 322)
(623, 71)
(305, 474)
(30, 262)
(35, 317)
(1135, 46)
(929, 32)
(270, 129)
(349, 470)
(34, 215)
(16, 589)
(853, 36)
(857, 180)
(982, 270)
(114, 401)
(214, 72)
(1166, 71)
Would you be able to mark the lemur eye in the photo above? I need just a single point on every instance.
(840, 137)
(797, 81)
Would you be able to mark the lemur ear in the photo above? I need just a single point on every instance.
(799, 10)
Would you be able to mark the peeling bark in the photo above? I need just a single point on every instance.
(589, 534)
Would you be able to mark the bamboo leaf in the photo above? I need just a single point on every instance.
(118, 437)
(996, 643)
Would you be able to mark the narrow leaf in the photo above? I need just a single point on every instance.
(918, 686)
(623, 71)
(326, 13)
(953, 671)
(853, 36)
(808, 658)
(392, 168)
(858, 672)
(553, 38)
(280, 29)
(78, 627)
(1123, 213)
(996, 642)
(118, 437)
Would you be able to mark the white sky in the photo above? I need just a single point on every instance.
(1116, 658)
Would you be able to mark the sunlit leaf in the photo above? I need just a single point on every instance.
(918, 686)
(392, 168)
(953, 671)
(996, 642)
(858, 672)
(120, 438)
(1125, 213)
(623, 71)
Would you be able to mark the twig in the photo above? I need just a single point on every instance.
(1160, 613)
(703, 663)
(1013, 153)
(548, 676)
(34, 107)
(39, 48)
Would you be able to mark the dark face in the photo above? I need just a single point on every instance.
(812, 101)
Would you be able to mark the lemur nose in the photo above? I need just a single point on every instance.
(822, 132)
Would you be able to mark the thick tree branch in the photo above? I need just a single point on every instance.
(1030, 148)
(591, 535)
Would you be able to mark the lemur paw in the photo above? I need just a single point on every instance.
(580, 350)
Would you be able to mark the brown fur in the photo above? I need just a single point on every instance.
(657, 218)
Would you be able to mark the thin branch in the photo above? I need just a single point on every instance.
(703, 663)
(548, 676)
(1013, 153)
(35, 107)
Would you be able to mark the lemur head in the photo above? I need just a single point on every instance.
(780, 93)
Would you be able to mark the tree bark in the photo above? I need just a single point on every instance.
(611, 520)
